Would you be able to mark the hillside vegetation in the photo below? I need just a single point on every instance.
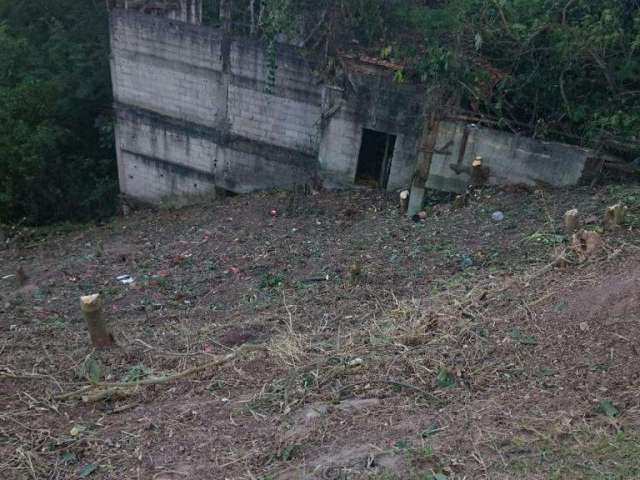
(562, 69)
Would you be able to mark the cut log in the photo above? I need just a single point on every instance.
(571, 221)
(615, 216)
(91, 306)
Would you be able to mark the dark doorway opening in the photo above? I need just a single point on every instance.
(374, 161)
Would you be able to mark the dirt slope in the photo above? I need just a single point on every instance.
(381, 347)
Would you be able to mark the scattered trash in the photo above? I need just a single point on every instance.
(584, 326)
(419, 217)
(77, 430)
(497, 216)
(273, 212)
(125, 279)
(7, 277)
(356, 362)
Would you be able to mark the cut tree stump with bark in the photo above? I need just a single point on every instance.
(615, 216)
(404, 201)
(571, 221)
(91, 306)
(21, 277)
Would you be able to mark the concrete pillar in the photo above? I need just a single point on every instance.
(416, 199)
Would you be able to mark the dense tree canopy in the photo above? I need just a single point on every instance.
(560, 69)
(56, 149)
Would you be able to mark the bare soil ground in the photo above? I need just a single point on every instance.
(378, 348)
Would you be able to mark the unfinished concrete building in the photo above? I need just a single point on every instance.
(199, 108)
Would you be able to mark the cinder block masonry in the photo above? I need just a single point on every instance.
(195, 111)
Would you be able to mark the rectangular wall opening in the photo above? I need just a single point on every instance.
(374, 160)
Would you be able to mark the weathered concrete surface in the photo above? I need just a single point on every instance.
(380, 105)
(196, 110)
(197, 105)
(511, 159)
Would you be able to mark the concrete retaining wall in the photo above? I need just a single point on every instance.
(196, 110)
(194, 104)
(512, 159)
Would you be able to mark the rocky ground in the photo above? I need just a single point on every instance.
(336, 339)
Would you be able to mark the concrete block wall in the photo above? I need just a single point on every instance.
(512, 159)
(274, 119)
(196, 110)
(380, 105)
(195, 104)
(153, 182)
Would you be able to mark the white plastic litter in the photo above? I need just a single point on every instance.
(125, 279)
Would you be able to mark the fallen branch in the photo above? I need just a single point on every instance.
(165, 353)
(395, 383)
(89, 393)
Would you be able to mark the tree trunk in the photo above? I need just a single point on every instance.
(91, 306)
(225, 15)
(423, 165)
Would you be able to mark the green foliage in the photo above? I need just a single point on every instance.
(607, 407)
(91, 370)
(562, 70)
(553, 67)
(136, 373)
(445, 379)
(270, 280)
(56, 147)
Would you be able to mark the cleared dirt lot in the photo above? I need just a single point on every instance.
(359, 343)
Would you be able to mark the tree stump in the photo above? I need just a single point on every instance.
(21, 277)
(586, 244)
(571, 221)
(459, 202)
(615, 216)
(404, 201)
(91, 306)
(479, 173)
